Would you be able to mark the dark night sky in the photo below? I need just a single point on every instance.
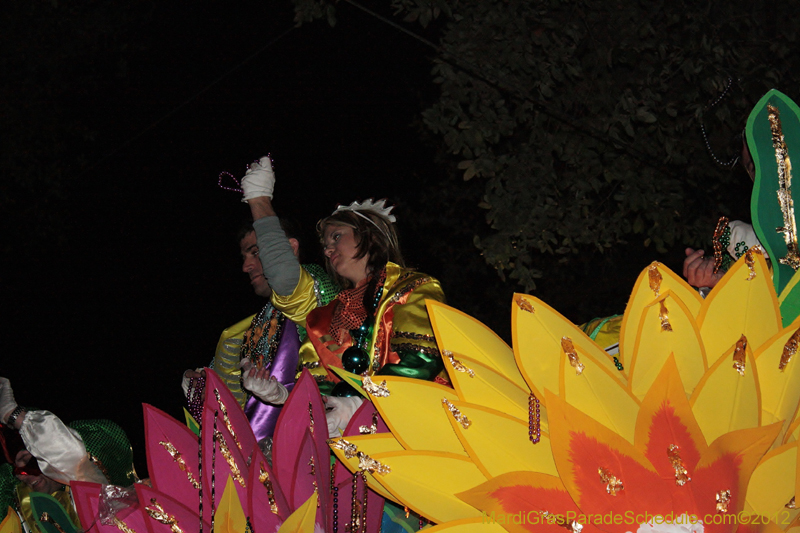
(150, 272)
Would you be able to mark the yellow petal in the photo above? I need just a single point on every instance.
(11, 523)
(772, 483)
(537, 330)
(779, 391)
(489, 388)
(597, 393)
(427, 481)
(460, 333)
(726, 401)
(229, 517)
(642, 296)
(425, 427)
(653, 345)
(370, 445)
(498, 443)
(303, 519)
(739, 307)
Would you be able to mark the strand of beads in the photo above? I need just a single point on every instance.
(534, 421)
(196, 387)
(335, 491)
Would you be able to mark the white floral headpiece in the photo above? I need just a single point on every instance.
(378, 207)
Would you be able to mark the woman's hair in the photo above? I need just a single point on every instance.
(375, 236)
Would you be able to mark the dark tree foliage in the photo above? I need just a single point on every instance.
(582, 120)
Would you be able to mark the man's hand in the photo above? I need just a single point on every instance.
(7, 401)
(699, 270)
(259, 180)
(340, 411)
(261, 385)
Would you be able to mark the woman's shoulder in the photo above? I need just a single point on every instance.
(402, 280)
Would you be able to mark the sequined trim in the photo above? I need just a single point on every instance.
(227, 420)
(740, 355)
(655, 278)
(374, 389)
(570, 525)
(789, 349)
(412, 335)
(681, 474)
(176, 456)
(460, 418)
(750, 261)
(263, 478)
(458, 366)
(428, 350)
(158, 514)
(50, 520)
(569, 351)
(663, 317)
(370, 430)
(723, 499)
(365, 462)
(784, 192)
(409, 288)
(613, 484)
(122, 526)
(791, 504)
(524, 304)
(226, 453)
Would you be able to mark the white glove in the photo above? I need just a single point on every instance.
(341, 410)
(261, 385)
(259, 180)
(7, 401)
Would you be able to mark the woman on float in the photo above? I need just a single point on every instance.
(377, 325)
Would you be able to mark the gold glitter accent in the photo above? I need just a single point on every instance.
(750, 261)
(227, 420)
(559, 520)
(681, 474)
(789, 349)
(373, 389)
(226, 453)
(663, 316)
(458, 365)
(49, 519)
(655, 278)
(723, 499)
(158, 514)
(263, 478)
(99, 464)
(784, 192)
(370, 430)
(740, 355)
(613, 484)
(310, 418)
(569, 351)
(460, 418)
(311, 464)
(524, 304)
(719, 231)
(791, 504)
(365, 462)
(176, 456)
(122, 526)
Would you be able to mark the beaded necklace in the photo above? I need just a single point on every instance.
(356, 359)
(261, 339)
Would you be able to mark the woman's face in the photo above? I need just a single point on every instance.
(340, 247)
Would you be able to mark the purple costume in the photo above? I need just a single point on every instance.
(264, 416)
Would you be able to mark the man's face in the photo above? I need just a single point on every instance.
(251, 265)
(36, 482)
